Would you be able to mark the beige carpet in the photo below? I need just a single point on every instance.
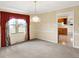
(38, 49)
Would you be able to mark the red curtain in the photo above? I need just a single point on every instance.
(5, 16)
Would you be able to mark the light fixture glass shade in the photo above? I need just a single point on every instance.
(35, 19)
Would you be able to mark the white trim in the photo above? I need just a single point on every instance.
(57, 28)
(76, 46)
(73, 29)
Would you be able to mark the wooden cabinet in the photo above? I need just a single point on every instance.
(62, 31)
(60, 20)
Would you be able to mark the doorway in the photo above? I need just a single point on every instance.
(16, 31)
(65, 31)
(62, 31)
(65, 28)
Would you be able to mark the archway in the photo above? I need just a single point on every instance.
(16, 31)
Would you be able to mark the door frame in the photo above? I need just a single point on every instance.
(70, 15)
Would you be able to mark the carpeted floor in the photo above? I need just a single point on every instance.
(38, 49)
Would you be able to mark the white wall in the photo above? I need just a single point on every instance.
(76, 28)
(33, 29)
(46, 28)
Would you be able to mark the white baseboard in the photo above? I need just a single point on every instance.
(76, 46)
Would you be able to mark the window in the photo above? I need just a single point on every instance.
(17, 25)
(21, 25)
(12, 25)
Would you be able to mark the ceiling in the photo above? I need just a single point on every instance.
(27, 7)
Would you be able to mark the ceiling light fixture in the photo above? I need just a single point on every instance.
(35, 18)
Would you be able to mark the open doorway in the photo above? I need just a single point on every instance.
(62, 31)
(65, 33)
(65, 28)
(16, 31)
